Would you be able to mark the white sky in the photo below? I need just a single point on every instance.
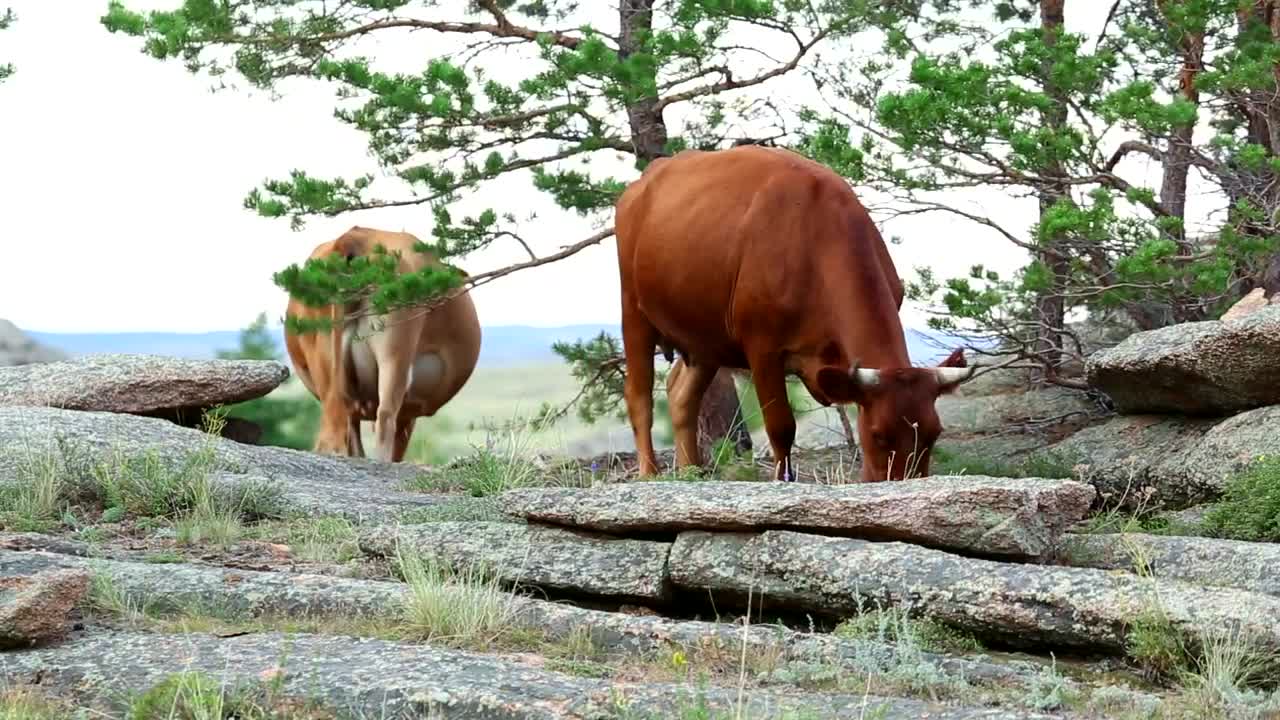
(123, 179)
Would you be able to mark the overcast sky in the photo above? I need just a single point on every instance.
(123, 180)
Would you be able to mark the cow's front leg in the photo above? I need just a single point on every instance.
(770, 379)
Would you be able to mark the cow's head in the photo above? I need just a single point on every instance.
(897, 422)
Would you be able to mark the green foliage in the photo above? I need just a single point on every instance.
(598, 364)
(195, 695)
(290, 422)
(1250, 505)
(446, 130)
(1013, 106)
(7, 17)
(1155, 644)
(893, 626)
(945, 461)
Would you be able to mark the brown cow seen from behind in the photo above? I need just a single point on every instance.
(390, 369)
(759, 259)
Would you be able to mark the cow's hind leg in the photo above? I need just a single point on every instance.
(639, 339)
(684, 397)
(395, 364)
(404, 433)
(769, 377)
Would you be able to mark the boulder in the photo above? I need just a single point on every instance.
(1205, 561)
(573, 563)
(982, 515)
(994, 413)
(1136, 462)
(139, 384)
(1251, 303)
(1145, 462)
(16, 348)
(1019, 604)
(1214, 367)
(36, 609)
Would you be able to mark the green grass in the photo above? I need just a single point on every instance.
(1250, 505)
(470, 509)
(892, 626)
(946, 461)
(67, 484)
(27, 703)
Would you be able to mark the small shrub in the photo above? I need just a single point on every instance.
(1250, 505)
(1049, 691)
(1156, 645)
(1229, 667)
(37, 499)
(326, 539)
(893, 626)
(28, 704)
(460, 607)
(194, 695)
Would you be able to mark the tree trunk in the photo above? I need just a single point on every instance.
(1177, 163)
(721, 412)
(1261, 112)
(1050, 312)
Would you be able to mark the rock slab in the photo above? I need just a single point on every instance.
(138, 384)
(1006, 517)
(1021, 604)
(1211, 562)
(207, 589)
(1200, 368)
(358, 488)
(363, 677)
(35, 609)
(550, 558)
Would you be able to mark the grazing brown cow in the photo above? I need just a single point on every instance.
(407, 366)
(758, 258)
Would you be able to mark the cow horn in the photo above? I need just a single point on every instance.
(954, 375)
(864, 376)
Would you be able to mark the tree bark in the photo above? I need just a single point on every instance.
(1261, 112)
(1050, 311)
(721, 411)
(1177, 160)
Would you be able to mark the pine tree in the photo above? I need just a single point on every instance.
(1005, 97)
(591, 90)
(7, 17)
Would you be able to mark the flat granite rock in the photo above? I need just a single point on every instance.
(1021, 604)
(358, 488)
(1020, 518)
(183, 587)
(1210, 562)
(376, 678)
(545, 557)
(138, 384)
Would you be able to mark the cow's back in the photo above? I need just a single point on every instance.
(720, 245)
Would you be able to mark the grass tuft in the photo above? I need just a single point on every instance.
(460, 607)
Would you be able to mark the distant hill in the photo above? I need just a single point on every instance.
(502, 344)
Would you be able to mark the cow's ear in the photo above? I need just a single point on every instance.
(843, 386)
(955, 359)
